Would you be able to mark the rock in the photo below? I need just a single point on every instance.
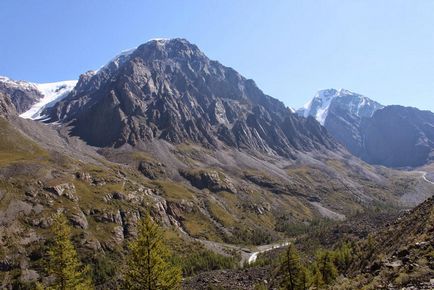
(394, 264)
(28, 276)
(7, 108)
(152, 170)
(78, 219)
(114, 196)
(84, 176)
(64, 189)
(118, 234)
(106, 217)
(20, 93)
(129, 223)
(212, 180)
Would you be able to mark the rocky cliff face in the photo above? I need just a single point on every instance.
(168, 89)
(22, 94)
(398, 136)
(6, 105)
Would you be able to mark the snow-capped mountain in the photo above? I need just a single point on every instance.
(341, 112)
(30, 99)
(355, 104)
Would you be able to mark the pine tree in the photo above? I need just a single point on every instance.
(291, 270)
(326, 266)
(63, 262)
(343, 257)
(147, 263)
(317, 280)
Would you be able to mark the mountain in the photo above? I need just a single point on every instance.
(341, 112)
(22, 94)
(169, 90)
(162, 129)
(30, 99)
(393, 136)
(399, 136)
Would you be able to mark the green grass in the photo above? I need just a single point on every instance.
(220, 214)
(173, 190)
(14, 147)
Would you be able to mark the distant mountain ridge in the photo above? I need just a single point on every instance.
(393, 136)
(341, 112)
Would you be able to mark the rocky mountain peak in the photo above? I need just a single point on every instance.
(170, 90)
(327, 100)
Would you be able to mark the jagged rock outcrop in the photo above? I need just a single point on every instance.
(168, 89)
(152, 170)
(7, 108)
(64, 189)
(213, 180)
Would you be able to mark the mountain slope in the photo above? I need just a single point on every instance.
(399, 136)
(400, 255)
(169, 90)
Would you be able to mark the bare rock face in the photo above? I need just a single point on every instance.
(64, 189)
(212, 180)
(168, 89)
(152, 170)
(6, 106)
(78, 219)
(22, 94)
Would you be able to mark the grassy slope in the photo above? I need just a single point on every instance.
(254, 215)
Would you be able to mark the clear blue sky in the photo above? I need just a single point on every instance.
(382, 49)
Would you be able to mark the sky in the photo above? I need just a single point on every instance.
(383, 49)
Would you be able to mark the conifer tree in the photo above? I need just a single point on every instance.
(63, 261)
(317, 280)
(327, 268)
(292, 270)
(148, 266)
